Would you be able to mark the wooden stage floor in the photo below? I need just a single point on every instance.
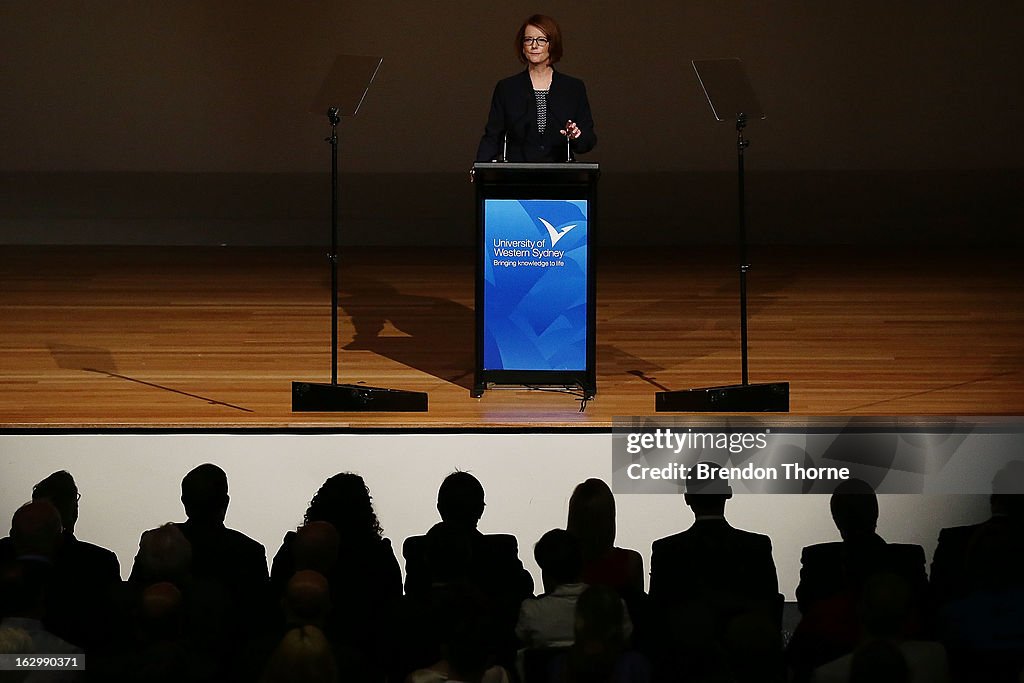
(203, 338)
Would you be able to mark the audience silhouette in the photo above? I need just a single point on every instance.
(549, 619)
(592, 520)
(547, 623)
(81, 576)
(455, 553)
(342, 539)
(221, 572)
(23, 608)
(833, 576)
(201, 606)
(885, 612)
(303, 656)
(705, 577)
(468, 644)
(219, 554)
(495, 566)
(978, 577)
(600, 652)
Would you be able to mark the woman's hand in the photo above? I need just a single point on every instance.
(571, 130)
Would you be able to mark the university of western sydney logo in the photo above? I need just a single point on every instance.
(554, 234)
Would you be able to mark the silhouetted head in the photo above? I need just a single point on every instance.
(59, 488)
(592, 518)
(307, 598)
(854, 509)
(1008, 490)
(162, 611)
(304, 655)
(165, 555)
(316, 547)
(460, 500)
(15, 641)
(706, 490)
(559, 557)
(36, 529)
(204, 493)
(344, 501)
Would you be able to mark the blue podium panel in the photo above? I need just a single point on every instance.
(535, 284)
(535, 293)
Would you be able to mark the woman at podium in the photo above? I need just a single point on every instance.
(539, 114)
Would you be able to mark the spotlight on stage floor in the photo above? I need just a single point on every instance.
(308, 397)
(736, 398)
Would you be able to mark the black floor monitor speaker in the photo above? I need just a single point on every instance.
(308, 397)
(737, 398)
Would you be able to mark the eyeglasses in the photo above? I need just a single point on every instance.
(539, 40)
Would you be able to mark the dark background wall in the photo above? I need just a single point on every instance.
(187, 122)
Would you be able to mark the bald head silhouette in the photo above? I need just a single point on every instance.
(307, 598)
(36, 529)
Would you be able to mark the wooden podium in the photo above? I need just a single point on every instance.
(535, 279)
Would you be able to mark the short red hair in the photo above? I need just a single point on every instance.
(549, 27)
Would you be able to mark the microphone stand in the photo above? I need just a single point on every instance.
(334, 397)
(736, 398)
(334, 116)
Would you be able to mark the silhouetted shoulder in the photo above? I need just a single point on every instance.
(102, 561)
(502, 543)
(910, 553)
(959, 536)
(6, 549)
(414, 546)
(821, 551)
(667, 542)
(245, 543)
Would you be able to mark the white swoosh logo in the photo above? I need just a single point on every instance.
(556, 234)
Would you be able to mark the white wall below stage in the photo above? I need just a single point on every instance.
(130, 483)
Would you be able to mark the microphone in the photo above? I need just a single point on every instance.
(568, 142)
(504, 148)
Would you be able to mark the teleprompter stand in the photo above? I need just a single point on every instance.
(340, 95)
(731, 98)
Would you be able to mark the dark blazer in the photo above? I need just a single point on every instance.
(954, 573)
(80, 582)
(514, 111)
(949, 564)
(365, 585)
(450, 559)
(494, 565)
(829, 569)
(226, 555)
(369, 575)
(709, 558)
